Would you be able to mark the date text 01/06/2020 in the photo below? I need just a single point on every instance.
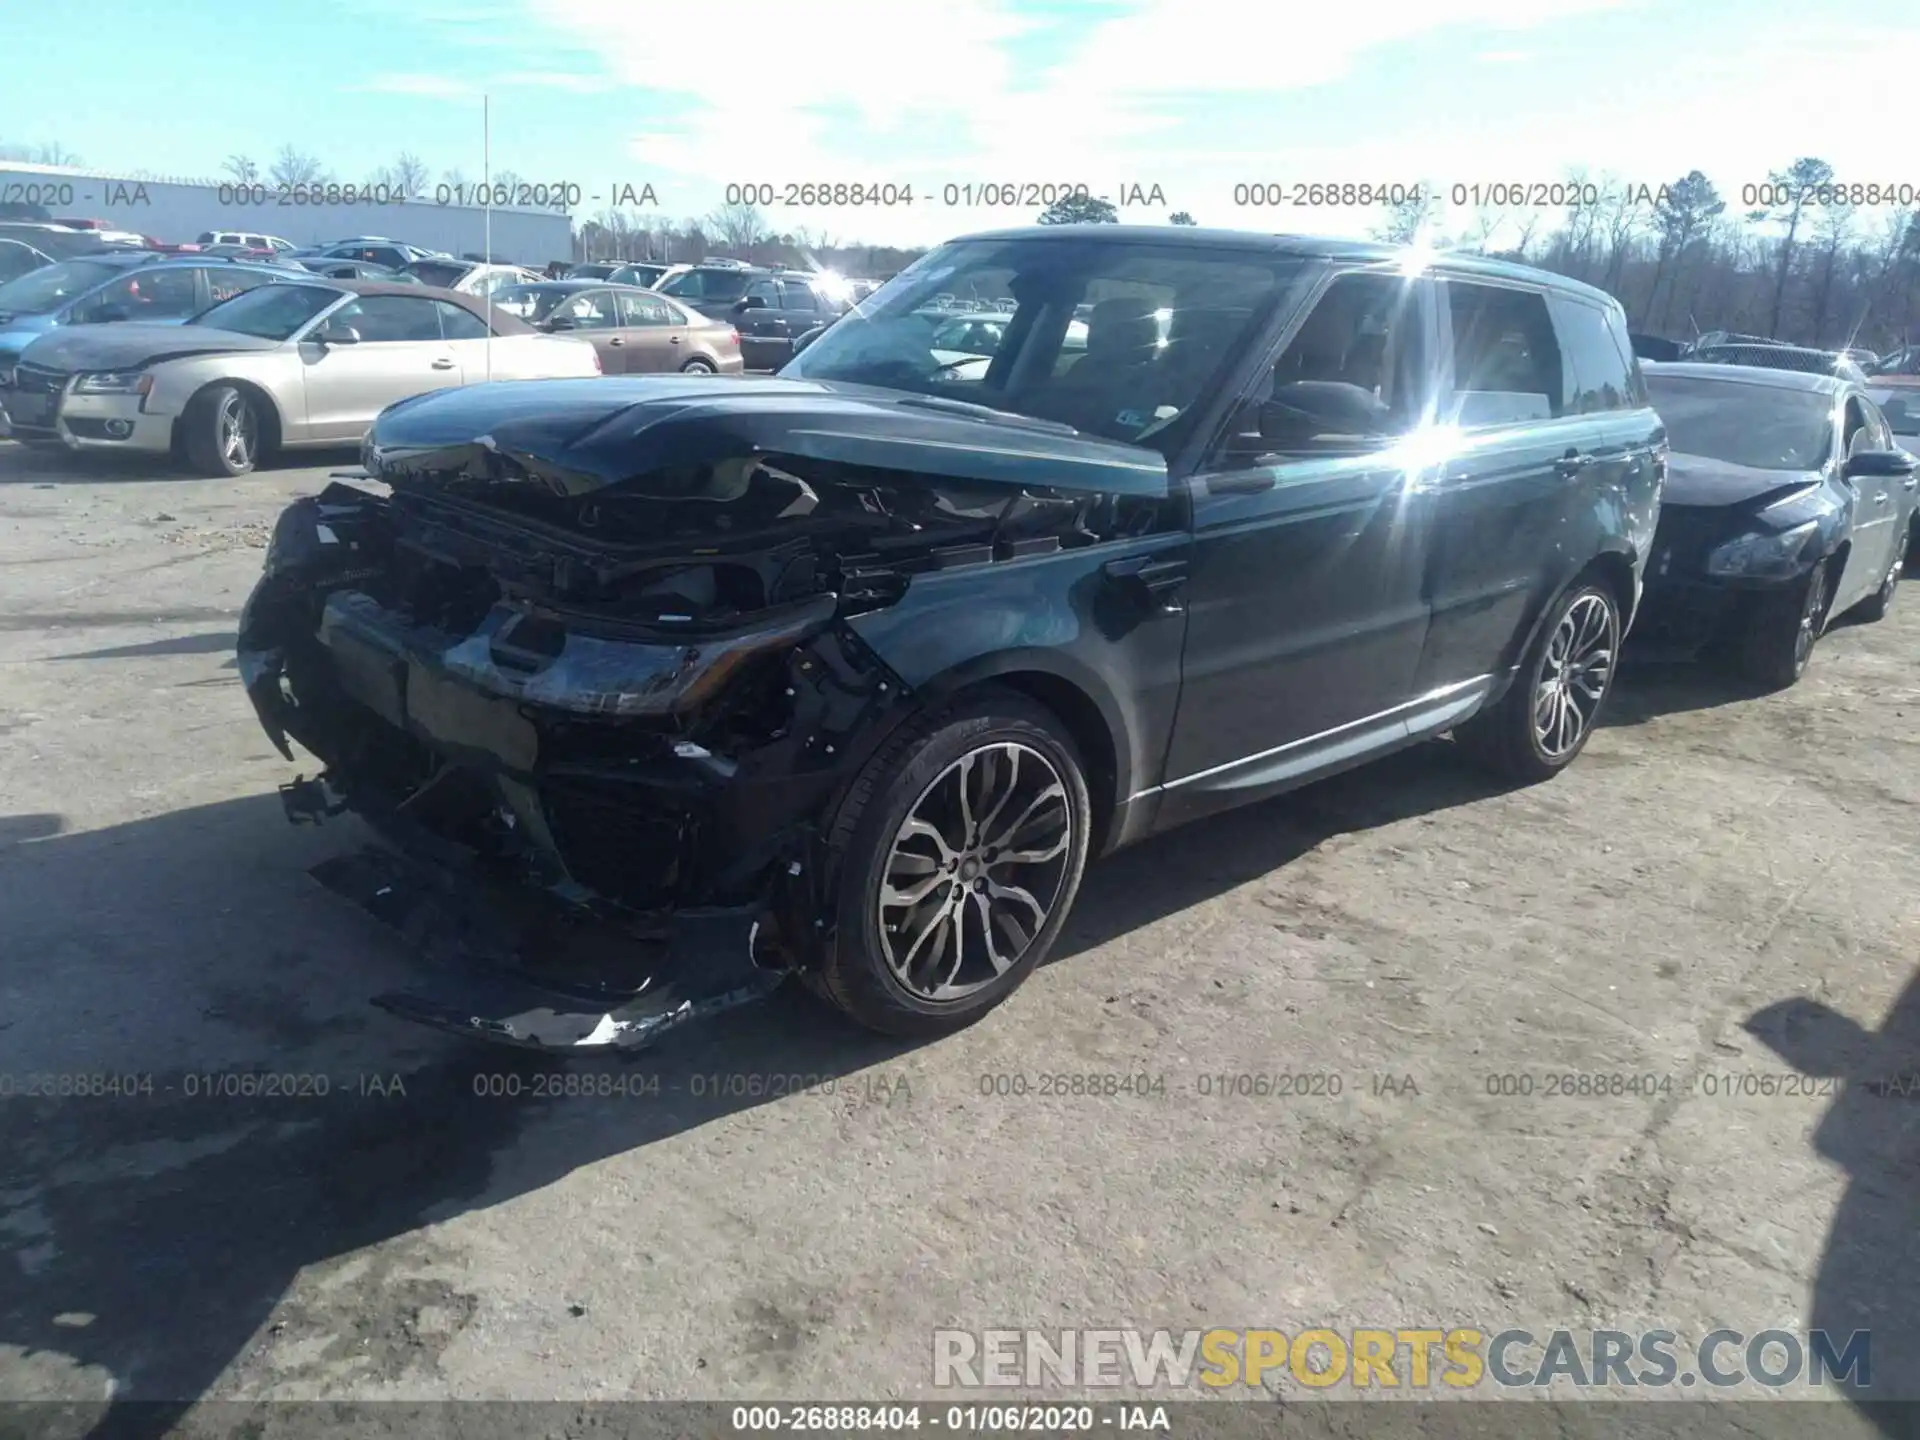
(1012, 1417)
(968, 194)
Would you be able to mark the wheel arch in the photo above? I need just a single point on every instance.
(269, 412)
(1074, 695)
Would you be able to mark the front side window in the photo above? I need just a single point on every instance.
(1165, 324)
(459, 324)
(1355, 376)
(389, 318)
(149, 294)
(1763, 427)
(716, 285)
(1507, 367)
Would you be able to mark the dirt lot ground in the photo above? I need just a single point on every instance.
(1724, 886)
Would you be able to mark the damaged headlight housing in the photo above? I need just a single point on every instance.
(114, 382)
(1765, 556)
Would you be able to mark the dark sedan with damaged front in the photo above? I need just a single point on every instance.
(848, 673)
(1789, 503)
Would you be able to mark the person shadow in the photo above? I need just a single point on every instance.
(1869, 1273)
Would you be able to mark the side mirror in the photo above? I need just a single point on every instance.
(106, 314)
(750, 302)
(1880, 465)
(559, 322)
(336, 335)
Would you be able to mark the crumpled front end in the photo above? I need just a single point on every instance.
(636, 702)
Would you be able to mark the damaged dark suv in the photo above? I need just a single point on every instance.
(847, 673)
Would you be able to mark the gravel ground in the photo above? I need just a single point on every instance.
(1722, 887)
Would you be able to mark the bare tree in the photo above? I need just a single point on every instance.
(243, 169)
(738, 227)
(1409, 219)
(294, 167)
(50, 153)
(1181, 217)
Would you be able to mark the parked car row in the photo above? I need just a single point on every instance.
(849, 672)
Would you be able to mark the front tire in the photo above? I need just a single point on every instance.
(1877, 605)
(1548, 713)
(226, 435)
(1783, 629)
(957, 853)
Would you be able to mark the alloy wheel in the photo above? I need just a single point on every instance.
(1811, 610)
(1574, 674)
(237, 431)
(975, 871)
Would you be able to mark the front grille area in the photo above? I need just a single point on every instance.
(625, 851)
(38, 380)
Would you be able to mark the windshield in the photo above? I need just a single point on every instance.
(1160, 326)
(1765, 427)
(51, 286)
(272, 312)
(708, 285)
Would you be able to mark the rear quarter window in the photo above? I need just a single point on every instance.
(1599, 370)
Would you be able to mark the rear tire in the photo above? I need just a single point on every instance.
(1549, 711)
(1782, 630)
(226, 435)
(931, 929)
(698, 366)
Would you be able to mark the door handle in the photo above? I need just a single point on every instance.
(674, 339)
(443, 364)
(616, 340)
(1569, 465)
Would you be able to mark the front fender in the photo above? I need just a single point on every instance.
(1056, 616)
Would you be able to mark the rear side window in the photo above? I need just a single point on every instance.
(1506, 358)
(1599, 375)
(458, 324)
(226, 283)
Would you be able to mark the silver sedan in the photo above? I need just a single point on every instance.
(281, 366)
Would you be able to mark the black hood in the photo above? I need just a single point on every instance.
(130, 345)
(581, 436)
(1699, 480)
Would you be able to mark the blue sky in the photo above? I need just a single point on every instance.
(1194, 96)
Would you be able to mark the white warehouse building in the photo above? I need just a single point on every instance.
(177, 210)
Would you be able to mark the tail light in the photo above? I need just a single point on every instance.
(734, 334)
(598, 368)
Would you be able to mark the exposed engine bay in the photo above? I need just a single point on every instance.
(635, 699)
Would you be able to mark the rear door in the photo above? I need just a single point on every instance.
(655, 335)
(592, 316)
(764, 342)
(1506, 505)
(400, 352)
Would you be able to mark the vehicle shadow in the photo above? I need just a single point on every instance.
(31, 465)
(1649, 689)
(157, 1222)
(1869, 1275)
(1185, 867)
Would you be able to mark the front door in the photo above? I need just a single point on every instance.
(1306, 615)
(399, 351)
(1879, 503)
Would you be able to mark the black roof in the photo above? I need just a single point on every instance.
(1318, 247)
(1748, 375)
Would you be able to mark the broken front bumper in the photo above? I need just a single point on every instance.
(589, 854)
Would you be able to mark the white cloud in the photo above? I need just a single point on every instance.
(579, 82)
